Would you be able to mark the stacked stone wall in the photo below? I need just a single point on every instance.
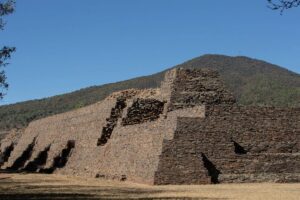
(143, 110)
(198, 87)
(83, 126)
(115, 114)
(187, 132)
(133, 150)
(244, 144)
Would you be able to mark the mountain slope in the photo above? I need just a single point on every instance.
(253, 82)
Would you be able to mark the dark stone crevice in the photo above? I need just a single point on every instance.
(123, 178)
(6, 154)
(61, 160)
(143, 110)
(238, 149)
(25, 156)
(116, 113)
(38, 162)
(213, 172)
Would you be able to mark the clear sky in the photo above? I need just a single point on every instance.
(65, 45)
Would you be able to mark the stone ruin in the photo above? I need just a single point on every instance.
(188, 131)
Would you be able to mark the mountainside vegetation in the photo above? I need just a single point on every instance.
(252, 81)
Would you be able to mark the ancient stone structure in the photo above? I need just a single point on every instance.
(188, 131)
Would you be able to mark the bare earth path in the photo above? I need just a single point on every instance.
(42, 187)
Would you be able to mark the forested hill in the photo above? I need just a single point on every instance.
(253, 82)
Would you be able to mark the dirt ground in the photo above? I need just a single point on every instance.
(42, 187)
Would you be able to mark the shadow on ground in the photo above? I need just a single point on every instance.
(11, 189)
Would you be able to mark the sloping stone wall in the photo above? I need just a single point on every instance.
(187, 132)
(8, 144)
(133, 150)
(131, 153)
(83, 125)
(143, 110)
(245, 144)
(115, 114)
(198, 87)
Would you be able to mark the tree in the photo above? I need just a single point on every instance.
(6, 8)
(283, 4)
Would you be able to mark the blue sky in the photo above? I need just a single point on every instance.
(66, 45)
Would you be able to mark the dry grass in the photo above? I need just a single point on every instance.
(36, 186)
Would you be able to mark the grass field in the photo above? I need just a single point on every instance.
(41, 187)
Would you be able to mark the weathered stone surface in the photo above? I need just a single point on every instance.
(269, 139)
(143, 110)
(8, 144)
(198, 87)
(115, 114)
(189, 131)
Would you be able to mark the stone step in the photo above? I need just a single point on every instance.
(260, 177)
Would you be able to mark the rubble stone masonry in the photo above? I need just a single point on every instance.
(244, 144)
(189, 131)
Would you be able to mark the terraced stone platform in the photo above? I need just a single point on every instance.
(188, 131)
